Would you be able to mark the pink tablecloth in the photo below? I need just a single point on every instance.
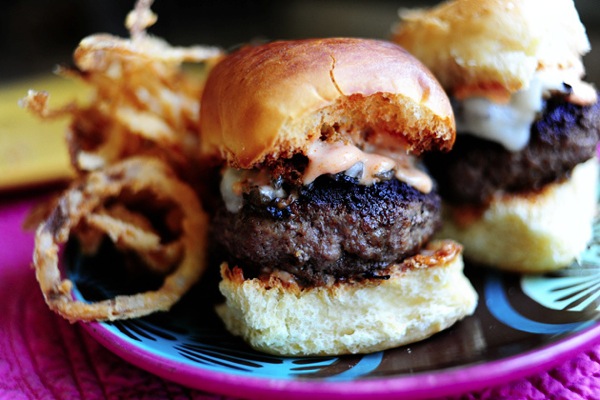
(43, 356)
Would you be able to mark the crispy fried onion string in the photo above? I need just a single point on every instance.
(142, 101)
(140, 18)
(84, 201)
(37, 103)
(133, 231)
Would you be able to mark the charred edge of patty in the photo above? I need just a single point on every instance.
(333, 230)
(564, 136)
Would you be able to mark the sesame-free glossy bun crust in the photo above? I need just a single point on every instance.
(269, 101)
(479, 46)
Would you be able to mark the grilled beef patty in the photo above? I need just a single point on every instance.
(565, 135)
(333, 230)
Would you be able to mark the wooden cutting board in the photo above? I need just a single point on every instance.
(34, 152)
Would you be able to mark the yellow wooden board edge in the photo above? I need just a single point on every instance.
(34, 152)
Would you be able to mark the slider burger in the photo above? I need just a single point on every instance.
(325, 216)
(519, 186)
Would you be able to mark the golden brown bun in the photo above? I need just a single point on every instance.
(493, 44)
(530, 233)
(269, 101)
(424, 295)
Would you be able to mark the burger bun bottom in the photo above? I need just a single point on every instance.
(423, 295)
(532, 232)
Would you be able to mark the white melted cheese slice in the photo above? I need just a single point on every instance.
(233, 181)
(510, 124)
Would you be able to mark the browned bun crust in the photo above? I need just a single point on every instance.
(270, 101)
(482, 46)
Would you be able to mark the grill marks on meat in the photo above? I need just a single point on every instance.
(564, 136)
(335, 230)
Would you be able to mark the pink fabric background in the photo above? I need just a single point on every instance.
(44, 357)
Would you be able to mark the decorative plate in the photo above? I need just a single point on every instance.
(521, 326)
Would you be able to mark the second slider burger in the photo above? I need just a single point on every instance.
(520, 185)
(324, 215)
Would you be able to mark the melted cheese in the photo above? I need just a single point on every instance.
(510, 124)
(234, 180)
(332, 158)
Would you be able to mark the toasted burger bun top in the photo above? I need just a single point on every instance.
(271, 101)
(488, 45)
